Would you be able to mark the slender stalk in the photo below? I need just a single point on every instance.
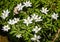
(56, 35)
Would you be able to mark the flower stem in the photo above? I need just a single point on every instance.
(56, 36)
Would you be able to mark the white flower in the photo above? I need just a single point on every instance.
(44, 10)
(27, 4)
(36, 38)
(27, 21)
(5, 14)
(36, 29)
(6, 28)
(16, 20)
(19, 7)
(18, 36)
(36, 17)
(55, 16)
(13, 21)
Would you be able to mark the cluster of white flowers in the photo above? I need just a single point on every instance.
(20, 6)
(33, 17)
(36, 29)
(6, 28)
(27, 21)
(36, 38)
(36, 17)
(13, 21)
(54, 15)
(5, 14)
